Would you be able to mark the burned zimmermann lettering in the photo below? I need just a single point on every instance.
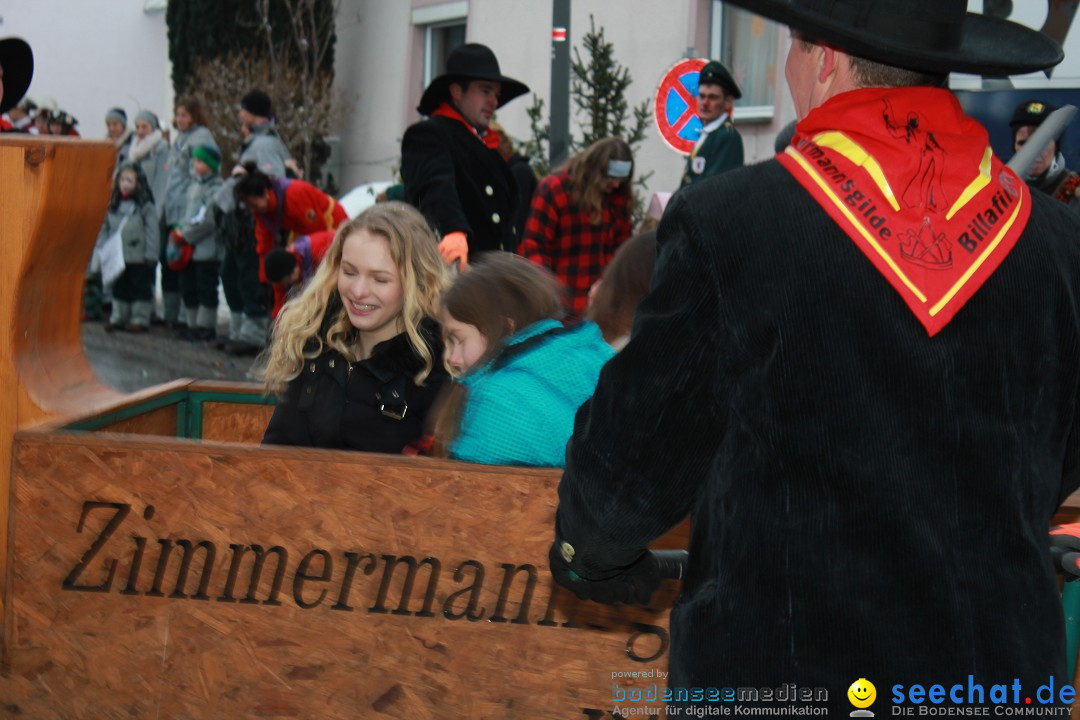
(390, 563)
(185, 563)
(353, 559)
(470, 612)
(177, 568)
(239, 551)
(122, 510)
(509, 573)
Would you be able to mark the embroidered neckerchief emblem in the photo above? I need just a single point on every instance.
(914, 184)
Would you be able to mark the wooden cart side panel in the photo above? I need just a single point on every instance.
(410, 587)
(54, 195)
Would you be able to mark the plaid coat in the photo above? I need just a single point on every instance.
(562, 238)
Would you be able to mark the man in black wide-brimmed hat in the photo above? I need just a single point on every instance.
(16, 71)
(861, 382)
(450, 163)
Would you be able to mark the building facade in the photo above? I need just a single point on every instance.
(95, 54)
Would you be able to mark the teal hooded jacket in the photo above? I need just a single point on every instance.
(521, 405)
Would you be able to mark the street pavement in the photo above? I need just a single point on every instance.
(129, 361)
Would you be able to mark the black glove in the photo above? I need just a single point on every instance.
(632, 584)
(1065, 549)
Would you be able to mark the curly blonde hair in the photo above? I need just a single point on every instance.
(303, 329)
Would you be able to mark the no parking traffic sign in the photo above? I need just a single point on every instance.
(676, 105)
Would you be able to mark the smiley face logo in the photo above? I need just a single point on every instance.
(862, 693)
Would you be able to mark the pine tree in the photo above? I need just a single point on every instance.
(598, 86)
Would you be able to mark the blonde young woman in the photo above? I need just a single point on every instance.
(355, 359)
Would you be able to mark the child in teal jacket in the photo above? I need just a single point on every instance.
(524, 375)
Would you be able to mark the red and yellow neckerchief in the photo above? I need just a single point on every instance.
(913, 182)
(490, 138)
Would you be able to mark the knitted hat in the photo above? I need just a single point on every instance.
(116, 114)
(149, 118)
(209, 155)
(715, 73)
(279, 264)
(257, 103)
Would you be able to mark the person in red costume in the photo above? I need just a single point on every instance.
(450, 163)
(284, 208)
(857, 371)
(292, 266)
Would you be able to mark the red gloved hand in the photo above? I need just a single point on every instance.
(176, 237)
(454, 247)
(1065, 548)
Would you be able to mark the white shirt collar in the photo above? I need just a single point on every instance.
(714, 124)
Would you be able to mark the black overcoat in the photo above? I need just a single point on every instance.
(459, 184)
(867, 501)
(331, 406)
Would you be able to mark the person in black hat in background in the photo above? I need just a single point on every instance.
(16, 71)
(450, 163)
(1048, 173)
(857, 370)
(262, 145)
(719, 148)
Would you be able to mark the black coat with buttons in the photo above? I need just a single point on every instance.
(459, 184)
(373, 406)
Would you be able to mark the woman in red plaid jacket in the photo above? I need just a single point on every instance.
(580, 216)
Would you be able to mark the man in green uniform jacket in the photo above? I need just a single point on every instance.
(720, 147)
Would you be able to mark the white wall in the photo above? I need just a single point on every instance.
(648, 37)
(91, 55)
(379, 55)
(370, 63)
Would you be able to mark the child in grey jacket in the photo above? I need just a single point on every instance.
(132, 214)
(199, 279)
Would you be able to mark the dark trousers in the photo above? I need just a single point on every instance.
(240, 280)
(135, 284)
(93, 297)
(198, 284)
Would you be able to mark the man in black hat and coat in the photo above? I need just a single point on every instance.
(719, 148)
(1048, 173)
(450, 162)
(861, 383)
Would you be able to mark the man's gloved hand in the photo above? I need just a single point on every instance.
(176, 237)
(633, 584)
(1065, 548)
(454, 247)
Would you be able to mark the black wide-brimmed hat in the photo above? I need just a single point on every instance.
(17, 61)
(471, 61)
(935, 36)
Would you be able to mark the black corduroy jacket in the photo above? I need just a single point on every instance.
(459, 184)
(867, 501)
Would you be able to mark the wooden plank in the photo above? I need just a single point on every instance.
(160, 421)
(234, 422)
(54, 194)
(342, 633)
